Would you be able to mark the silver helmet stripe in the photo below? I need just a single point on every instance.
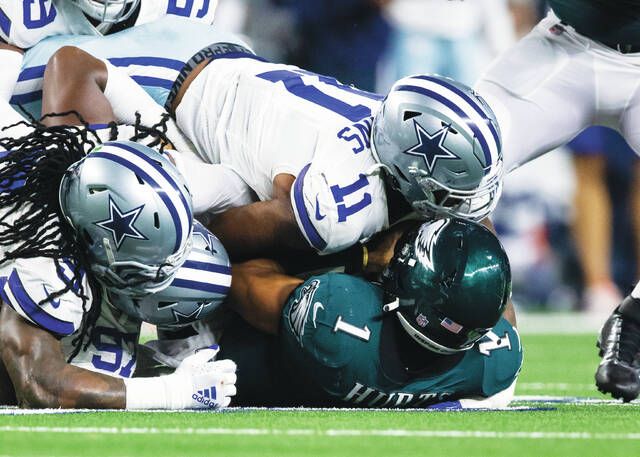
(166, 187)
(454, 103)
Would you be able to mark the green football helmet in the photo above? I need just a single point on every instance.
(448, 282)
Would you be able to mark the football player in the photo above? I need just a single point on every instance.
(331, 164)
(577, 67)
(78, 230)
(429, 332)
(25, 23)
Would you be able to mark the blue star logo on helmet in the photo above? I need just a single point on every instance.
(121, 224)
(207, 236)
(431, 147)
(182, 319)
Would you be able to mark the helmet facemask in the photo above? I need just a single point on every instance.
(108, 11)
(137, 279)
(442, 200)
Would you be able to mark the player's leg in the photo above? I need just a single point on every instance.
(74, 81)
(619, 339)
(542, 93)
(592, 228)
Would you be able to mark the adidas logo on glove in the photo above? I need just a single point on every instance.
(206, 397)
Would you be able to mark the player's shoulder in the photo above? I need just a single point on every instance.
(26, 285)
(328, 314)
(501, 350)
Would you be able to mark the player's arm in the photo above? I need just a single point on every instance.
(74, 80)
(509, 312)
(40, 374)
(10, 62)
(262, 228)
(42, 378)
(259, 290)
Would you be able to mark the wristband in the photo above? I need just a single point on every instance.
(11, 63)
(145, 393)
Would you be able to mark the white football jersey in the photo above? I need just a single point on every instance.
(25, 23)
(25, 283)
(263, 119)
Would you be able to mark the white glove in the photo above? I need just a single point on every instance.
(199, 382)
(206, 382)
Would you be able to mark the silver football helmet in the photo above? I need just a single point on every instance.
(200, 285)
(440, 143)
(132, 210)
(108, 11)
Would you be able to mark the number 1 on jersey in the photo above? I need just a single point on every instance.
(342, 326)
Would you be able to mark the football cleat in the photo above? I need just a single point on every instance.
(619, 343)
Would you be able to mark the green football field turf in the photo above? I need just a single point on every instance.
(555, 366)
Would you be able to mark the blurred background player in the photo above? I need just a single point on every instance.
(454, 39)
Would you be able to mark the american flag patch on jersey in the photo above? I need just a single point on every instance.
(450, 325)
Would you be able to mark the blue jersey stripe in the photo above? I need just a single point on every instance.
(32, 310)
(204, 266)
(163, 173)
(5, 23)
(147, 62)
(312, 234)
(153, 82)
(474, 104)
(202, 286)
(29, 97)
(161, 193)
(456, 109)
(32, 73)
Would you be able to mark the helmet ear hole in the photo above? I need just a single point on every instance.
(449, 128)
(96, 189)
(139, 179)
(156, 220)
(407, 115)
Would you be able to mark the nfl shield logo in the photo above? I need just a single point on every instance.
(422, 320)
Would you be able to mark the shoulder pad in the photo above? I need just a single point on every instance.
(502, 351)
(320, 308)
(25, 285)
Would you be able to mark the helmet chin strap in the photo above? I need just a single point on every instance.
(391, 306)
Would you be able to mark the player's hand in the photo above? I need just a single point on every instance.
(206, 382)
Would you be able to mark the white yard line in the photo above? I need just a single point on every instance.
(324, 433)
(555, 386)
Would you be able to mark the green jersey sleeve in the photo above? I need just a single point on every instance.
(501, 350)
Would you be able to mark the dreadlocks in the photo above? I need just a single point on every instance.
(31, 220)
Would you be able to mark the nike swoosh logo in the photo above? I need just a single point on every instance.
(316, 306)
(54, 303)
(319, 216)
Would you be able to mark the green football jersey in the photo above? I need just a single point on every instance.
(607, 21)
(338, 348)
